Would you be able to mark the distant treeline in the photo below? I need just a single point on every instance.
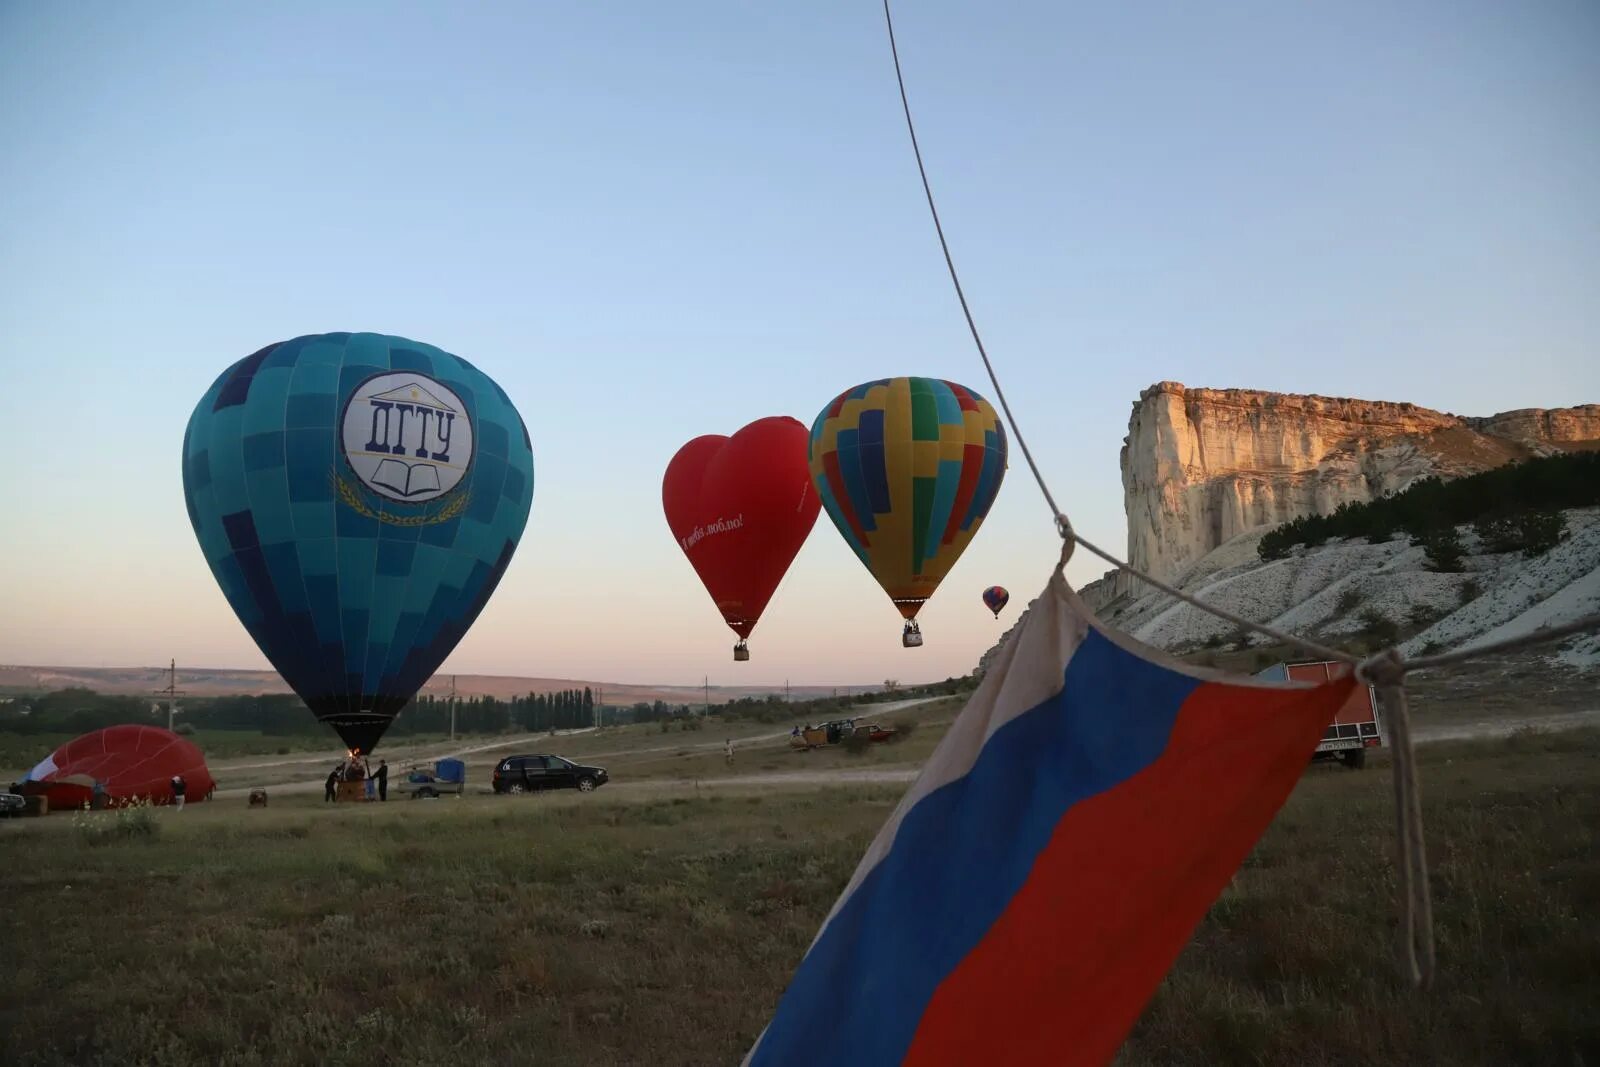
(79, 710)
(1512, 508)
(774, 708)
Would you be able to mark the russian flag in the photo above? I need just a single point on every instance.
(1042, 874)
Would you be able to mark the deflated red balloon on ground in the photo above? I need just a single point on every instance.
(740, 507)
(131, 762)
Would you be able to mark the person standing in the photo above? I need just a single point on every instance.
(728, 745)
(329, 787)
(382, 777)
(179, 787)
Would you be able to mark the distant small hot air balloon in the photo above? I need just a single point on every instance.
(358, 498)
(740, 507)
(908, 468)
(995, 598)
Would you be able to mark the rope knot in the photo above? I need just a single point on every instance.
(1068, 534)
(1385, 669)
(1069, 539)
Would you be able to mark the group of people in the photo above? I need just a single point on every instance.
(99, 798)
(354, 768)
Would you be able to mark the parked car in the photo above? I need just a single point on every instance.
(12, 804)
(528, 774)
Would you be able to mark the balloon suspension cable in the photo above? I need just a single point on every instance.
(1063, 524)
(961, 295)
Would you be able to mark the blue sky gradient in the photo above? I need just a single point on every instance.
(652, 221)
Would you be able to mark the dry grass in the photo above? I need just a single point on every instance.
(1296, 962)
(609, 930)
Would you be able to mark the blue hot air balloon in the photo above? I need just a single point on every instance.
(358, 498)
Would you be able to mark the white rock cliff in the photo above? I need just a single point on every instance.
(1201, 466)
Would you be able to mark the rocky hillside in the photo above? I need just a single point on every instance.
(1352, 592)
(1200, 467)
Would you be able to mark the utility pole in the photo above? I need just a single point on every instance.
(708, 694)
(599, 708)
(452, 707)
(171, 692)
(786, 698)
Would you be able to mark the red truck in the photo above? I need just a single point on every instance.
(1354, 729)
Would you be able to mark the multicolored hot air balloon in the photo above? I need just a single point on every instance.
(908, 468)
(995, 598)
(740, 507)
(358, 498)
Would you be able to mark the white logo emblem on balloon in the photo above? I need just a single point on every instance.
(407, 437)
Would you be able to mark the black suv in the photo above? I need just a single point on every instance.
(528, 774)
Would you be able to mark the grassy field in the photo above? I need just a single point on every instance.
(610, 929)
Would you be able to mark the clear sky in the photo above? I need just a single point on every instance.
(649, 221)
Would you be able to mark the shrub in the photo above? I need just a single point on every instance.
(133, 821)
(1443, 550)
(1470, 591)
(1423, 616)
(1379, 627)
(1498, 533)
(1532, 533)
(1275, 545)
(857, 743)
(1540, 531)
(1348, 600)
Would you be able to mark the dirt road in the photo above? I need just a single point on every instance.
(315, 765)
(1501, 727)
(1466, 731)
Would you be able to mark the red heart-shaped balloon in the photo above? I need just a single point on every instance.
(740, 508)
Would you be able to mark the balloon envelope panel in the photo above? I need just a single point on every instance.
(132, 761)
(907, 468)
(358, 498)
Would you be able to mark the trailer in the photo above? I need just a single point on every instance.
(1355, 727)
(445, 776)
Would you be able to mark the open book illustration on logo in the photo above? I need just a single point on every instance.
(407, 479)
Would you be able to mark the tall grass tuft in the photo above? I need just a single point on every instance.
(131, 822)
